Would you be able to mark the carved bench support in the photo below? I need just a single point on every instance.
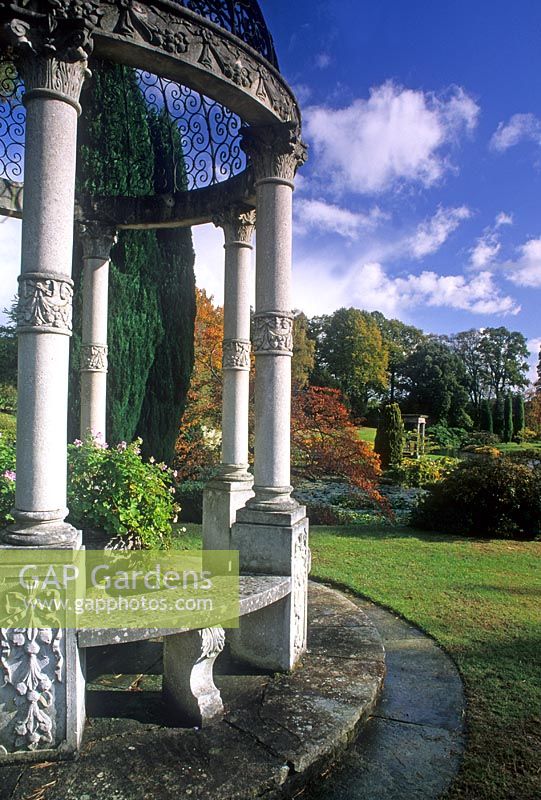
(188, 684)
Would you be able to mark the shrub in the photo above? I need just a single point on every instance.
(8, 426)
(7, 480)
(190, 496)
(389, 441)
(486, 422)
(424, 471)
(481, 438)
(490, 498)
(113, 489)
(483, 450)
(8, 397)
(526, 435)
(443, 437)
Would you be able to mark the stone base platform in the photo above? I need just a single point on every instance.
(278, 732)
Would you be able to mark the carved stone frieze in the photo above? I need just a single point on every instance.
(45, 303)
(276, 151)
(94, 358)
(236, 354)
(238, 226)
(273, 333)
(97, 239)
(32, 662)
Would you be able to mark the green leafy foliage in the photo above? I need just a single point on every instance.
(114, 490)
(519, 414)
(423, 471)
(389, 441)
(489, 497)
(507, 419)
(7, 479)
(442, 437)
(486, 423)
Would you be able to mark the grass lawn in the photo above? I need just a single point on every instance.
(481, 601)
(514, 447)
(367, 435)
(8, 425)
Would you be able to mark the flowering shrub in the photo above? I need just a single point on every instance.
(113, 489)
(7, 480)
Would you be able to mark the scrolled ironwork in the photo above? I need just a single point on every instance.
(204, 136)
(12, 123)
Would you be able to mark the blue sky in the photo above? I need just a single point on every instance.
(422, 195)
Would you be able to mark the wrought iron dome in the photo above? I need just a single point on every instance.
(209, 65)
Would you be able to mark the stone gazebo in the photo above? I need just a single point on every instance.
(220, 54)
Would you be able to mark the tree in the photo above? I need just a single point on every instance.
(435, 379)
(389, 442)
(508, 418)
(124, 146)
(304, 349)
(325, 442)
(505, 356)
(467, 346)
(400, 341)
(519, 414)
(537, 384)
(350, 354)
(197, 447)
(486, 422)
(498, 415)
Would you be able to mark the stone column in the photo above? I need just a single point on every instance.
(97, 240)
(233, 485)
(42, 698)
(271, 531)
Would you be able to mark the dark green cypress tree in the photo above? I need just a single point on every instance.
(485, 417)
(519, 414)
(152, 284)
(498, 416)
(389, 441)
(508, 419)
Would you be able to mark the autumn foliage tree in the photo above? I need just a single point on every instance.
(325, 442)
(198, 444)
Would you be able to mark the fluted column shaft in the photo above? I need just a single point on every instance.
(97, 241)
(45, 301)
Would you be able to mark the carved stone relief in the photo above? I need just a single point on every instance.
(273, 333)
(45, 303)
(236, 354)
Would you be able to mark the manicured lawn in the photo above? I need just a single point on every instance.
(482, 601)
(513, 447)
(367, 434)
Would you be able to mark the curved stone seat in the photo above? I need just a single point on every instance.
(189, 655)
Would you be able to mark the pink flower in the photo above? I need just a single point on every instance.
(78, 443)
(10, 475)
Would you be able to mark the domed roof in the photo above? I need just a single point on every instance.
(243, 18)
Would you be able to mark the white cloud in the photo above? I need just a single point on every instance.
(321, 216)
(208, 242)
(521, 127)
(534, 345)
(434, 232)
(397, 135)
(503, 219)
(526, 270)
(323, 60)
(368, 285)
(485, 251)
(10, 264)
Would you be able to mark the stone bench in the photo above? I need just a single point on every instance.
(189, 655)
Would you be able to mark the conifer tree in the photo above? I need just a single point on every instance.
(508, 419)
(498, 416)
(389, 440)
(519, 413)
(486, 421)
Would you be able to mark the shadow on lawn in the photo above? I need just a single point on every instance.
(394, 532)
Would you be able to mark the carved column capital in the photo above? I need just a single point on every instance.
(97, 239)
(276, 151)
(52, 57)
(238, 226)
(94, 358)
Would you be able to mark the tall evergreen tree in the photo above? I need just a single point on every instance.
(519, 413)
(498, 416)
(124, 146)
(389, 441)
(508, 418)
(485, 421)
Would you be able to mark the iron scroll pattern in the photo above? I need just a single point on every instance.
(12, 123)
(205, 136)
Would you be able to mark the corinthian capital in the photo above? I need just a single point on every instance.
(276, 151)
(238, 225)
(97, 239)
